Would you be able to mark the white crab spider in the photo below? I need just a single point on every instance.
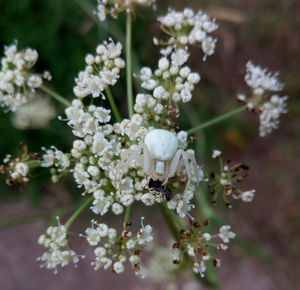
(160, 157)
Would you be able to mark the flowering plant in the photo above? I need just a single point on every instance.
(146, 158)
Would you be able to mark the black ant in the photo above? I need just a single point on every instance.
(157, 186)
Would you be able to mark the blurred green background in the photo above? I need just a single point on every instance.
(265, 31)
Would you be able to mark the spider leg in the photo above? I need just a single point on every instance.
(125, 163)
(174, 163)
(166, 180)
(148, 164)
(167, 172)
(188, 169)
(192, 158)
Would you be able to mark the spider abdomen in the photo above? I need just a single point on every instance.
(161, 144)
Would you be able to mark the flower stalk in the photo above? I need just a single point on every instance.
(113, 104)
(129, 63)
(78, 212)
(168, 219)
(217, 120)
(129, 84)
(56, 96)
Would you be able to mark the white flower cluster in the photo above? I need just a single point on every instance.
(98, 154)
(35, 114)
(225, 181)
(260, 80)
(269, 106)
(160, 267)
(18, 170)
(114, 7)
(188, 28)
(21, 171)
(270, 114)
(55, 240)
(117, 249)
(182, 203)
(171, 82)
(194, 243)
(55, 158)
(102, 70)
(87, 121)
(99, 166)
(17, 82)
(148, 106)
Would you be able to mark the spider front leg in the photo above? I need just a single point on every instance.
(187, 168)
(181, 155)
(191, 156)
(148, 163)
(174, 163)
(125, 162)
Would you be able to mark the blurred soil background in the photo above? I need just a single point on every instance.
(267, 254)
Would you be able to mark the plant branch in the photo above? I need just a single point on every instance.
(129, 63)
(30, 217)
(127, 216)
(34, 163)
(78, 212)
(168, 219)
(113, 104)
(217, 119)
(56, 96)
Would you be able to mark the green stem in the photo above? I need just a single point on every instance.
(168, 219)
(217, 119)
(34, 163)
(129, 85)
(175, 218)
(113, 104)
(56, 96)
(78, 212)
(31, 217)
(129, 63)
(127, 216)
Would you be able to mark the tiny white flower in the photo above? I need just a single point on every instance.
(127, 199)
(163, 63)
(225, 234)
(184, 207)
(117, 208)
(118, 267)
(134, 259)
(190, 250)
(103, 230)
(22, 168)
(100, 252)
(199, 267)
(247, 196)
(148, 199)
(93, 236)
(145, 234)
(101, 206)
(207, 236)
(216, 154)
